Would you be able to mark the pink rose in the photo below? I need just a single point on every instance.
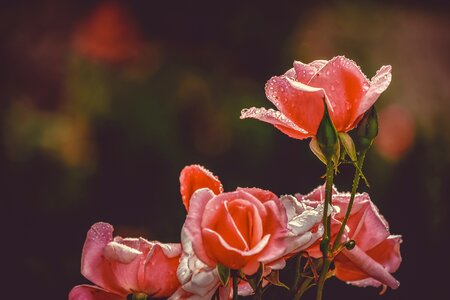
(299, 94)
(123, 266)
(198, 279)
(376, 254)
(237, 229)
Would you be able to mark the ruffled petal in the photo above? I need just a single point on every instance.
(195, 177)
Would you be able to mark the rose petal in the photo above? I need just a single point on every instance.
(345, 85)
(193, 223)
(304, 72)
(89, 292)
(94, 266)
(365, 264)
(120, 253)
(158, 277)
(387, 253)
(277, 119)
(302, 104)
(194, 177)
(378, 84)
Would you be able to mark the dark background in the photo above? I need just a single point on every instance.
(104, 102)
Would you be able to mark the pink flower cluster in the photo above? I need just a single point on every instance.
(239, 230)
(249, 227)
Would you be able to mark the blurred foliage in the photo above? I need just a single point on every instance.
(104, 102)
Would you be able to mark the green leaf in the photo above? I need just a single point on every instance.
(348, 144)
(224, 274)
(274, 278)
(255, 279)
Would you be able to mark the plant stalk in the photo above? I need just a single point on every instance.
(327, 224)
(356, 178)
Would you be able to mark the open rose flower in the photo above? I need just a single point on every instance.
(122, 266)
(238, 229)
(376, 254)
(198, 279)
(299, 96)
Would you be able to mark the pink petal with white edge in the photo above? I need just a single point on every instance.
(378, 84)
(277, 119)
(370, 267)
(94, 266)
(193, 223)
(303, 105)
(345, 85)
(89, 292)
(120, 253)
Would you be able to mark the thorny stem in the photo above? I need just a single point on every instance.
(326, 234)
(355, 185)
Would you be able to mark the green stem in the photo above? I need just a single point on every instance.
(326, 222)
(297, 272)
(306, 284)
(259, 291)
(322, 278)
(328, 194)
(355, 185)
(235, 276)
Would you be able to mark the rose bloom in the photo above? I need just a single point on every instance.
(198, 279)
(123, 266)
(299, 96)
(236, 229)
(376, 254)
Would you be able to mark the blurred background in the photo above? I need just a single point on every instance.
(104, 102)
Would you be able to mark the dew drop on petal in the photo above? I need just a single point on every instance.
(365, 86)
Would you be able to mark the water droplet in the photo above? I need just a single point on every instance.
(347, 105)
(333, 88)
(327, 72)
(365, 86)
